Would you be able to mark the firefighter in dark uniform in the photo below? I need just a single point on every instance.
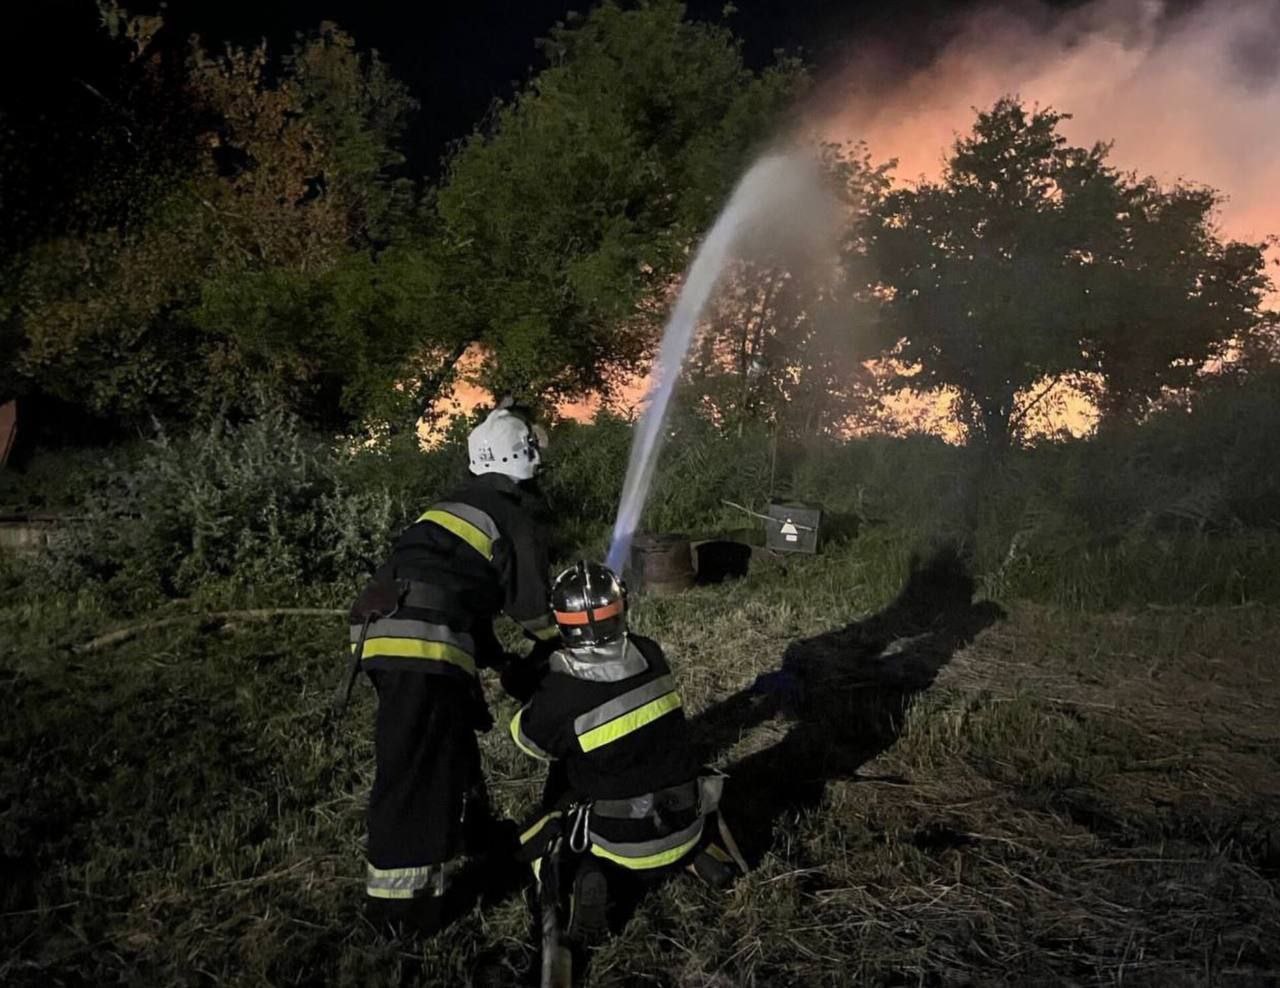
(421, 629)
(627, 797)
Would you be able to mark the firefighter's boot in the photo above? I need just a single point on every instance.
(588, 905)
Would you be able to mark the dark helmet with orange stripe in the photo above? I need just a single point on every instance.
(590, 605)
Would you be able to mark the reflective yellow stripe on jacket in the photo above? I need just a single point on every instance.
(626, 713)
(523, 741)
(467, 522)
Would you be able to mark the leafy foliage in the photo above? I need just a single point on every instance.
(258, 507)
(264, 507)
(1033, 259)
(1165, 294)
(570, 213)
(784, 341)
(252, 255)
(331, 343)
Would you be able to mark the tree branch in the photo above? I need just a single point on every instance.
(435, 383)
(123, 635)
(1015, 422)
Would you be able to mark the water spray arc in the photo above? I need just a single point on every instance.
(760, 204)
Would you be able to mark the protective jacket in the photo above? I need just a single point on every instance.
(635, 791)
(478, 551)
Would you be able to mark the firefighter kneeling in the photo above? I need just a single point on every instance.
(626, 796)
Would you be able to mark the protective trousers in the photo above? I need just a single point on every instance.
(428, 769)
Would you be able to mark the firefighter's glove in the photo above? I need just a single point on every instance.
(481, 716)
(498, 661)
(521, 677)
(783, 687)
(379, 598)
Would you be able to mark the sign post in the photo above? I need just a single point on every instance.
(8, 429)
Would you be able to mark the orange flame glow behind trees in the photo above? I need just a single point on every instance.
(1184, 94)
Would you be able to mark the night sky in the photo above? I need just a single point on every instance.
(456, 58)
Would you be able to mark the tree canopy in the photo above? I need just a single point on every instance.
(252, 224)
(232, 262)
(230, 223)
(787, 334)
(1032, 259)
(575, 205)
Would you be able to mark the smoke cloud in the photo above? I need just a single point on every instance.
(1185, 92)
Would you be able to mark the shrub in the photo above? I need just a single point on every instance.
(261, 505)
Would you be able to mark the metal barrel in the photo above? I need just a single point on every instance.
(660, 564)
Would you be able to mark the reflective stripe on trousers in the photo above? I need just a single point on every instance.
(409, 883)
(399, 638)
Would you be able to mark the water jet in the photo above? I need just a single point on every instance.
(781, 200)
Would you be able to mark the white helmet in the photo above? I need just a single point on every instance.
(504, 443)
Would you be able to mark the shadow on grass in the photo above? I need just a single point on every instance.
(844, 696)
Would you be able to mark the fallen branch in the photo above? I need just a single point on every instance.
(121, 635)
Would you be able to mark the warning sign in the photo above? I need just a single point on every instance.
(792, 527)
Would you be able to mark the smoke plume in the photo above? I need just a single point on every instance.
(1185, 91)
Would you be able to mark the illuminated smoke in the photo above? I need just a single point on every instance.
(1185, 92)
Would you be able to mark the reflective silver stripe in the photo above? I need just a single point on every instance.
(686, 796)
(706, 792)
(601, 663)
(421, 630)
(635, 808)
(624, 704)
(409, 883)
(472, 515)
(648, 848)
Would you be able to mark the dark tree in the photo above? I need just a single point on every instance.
(570, 212)
(1033, 259)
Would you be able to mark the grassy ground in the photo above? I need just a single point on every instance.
(942, 793)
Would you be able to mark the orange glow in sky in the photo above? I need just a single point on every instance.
(1195, 98)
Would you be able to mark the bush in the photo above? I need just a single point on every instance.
(57, 481)
(1184, 508)
(699, 469)
(261, 505)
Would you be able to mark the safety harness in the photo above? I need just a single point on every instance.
(573, 824)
